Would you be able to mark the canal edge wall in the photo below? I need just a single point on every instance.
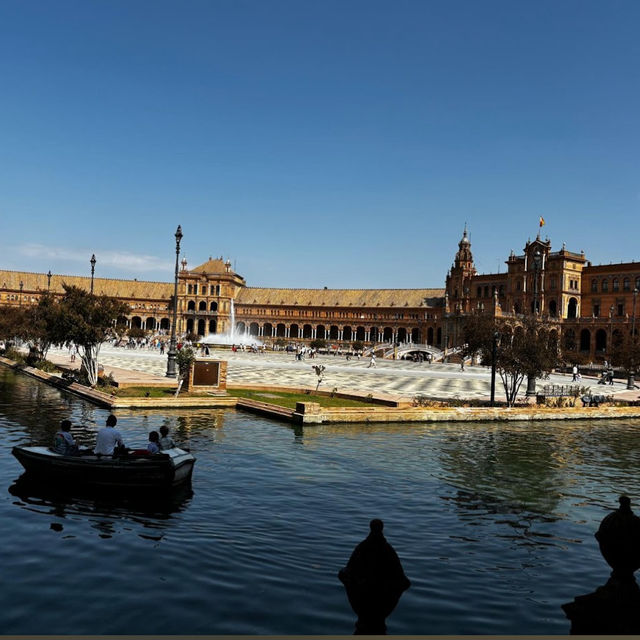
(310, 413)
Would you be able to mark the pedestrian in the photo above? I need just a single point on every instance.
(575, 373)
(372, 361)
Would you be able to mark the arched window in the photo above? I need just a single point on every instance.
(553, 309)
(616, 284)
(626, 284)
(570, 340)
(594, 285)
(202, 306)
(572, 309)
(605, 284)
(601, 340)
(213, 306)
(191, 305)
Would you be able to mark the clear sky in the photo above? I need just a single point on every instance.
(339, 143)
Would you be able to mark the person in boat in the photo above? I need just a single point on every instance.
(109, 440)
(63, 441)
(166, 441)
(154, 440)
(374, 581)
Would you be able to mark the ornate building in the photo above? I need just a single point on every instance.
(589, 306)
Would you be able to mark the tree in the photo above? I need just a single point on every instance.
(184, 359)
(318, 343)
(13, 323)
(43, 320)
(86, 320)
(526, 349)
(625, 352)
(357, 345)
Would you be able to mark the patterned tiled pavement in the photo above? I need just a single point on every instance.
(400, 378)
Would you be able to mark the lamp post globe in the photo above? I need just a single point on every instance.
(171, 356)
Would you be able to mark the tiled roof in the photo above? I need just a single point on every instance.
(211, 266)
(342, 297)
(138, 289)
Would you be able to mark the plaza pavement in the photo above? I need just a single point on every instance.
(398, 378)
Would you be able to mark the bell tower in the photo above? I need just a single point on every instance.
(460, 276)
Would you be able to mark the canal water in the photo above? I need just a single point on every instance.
(493, 523)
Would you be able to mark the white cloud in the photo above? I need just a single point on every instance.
(118, 259)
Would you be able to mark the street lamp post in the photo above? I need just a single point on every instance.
(171, 356)
(537, 262)
(611, 310)
(49, 280)
(21, 287)
(631, 382)
(494, 350)
(93, 268)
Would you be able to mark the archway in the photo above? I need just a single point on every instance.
(241, 328)
(321, 332)
(191, 305)
(402, 335)
(570, 340)
(430, 335)
(553, 308)
(601, 340)
(346, 333)
(136, 322)
(294, 330)
(165, 324)
(190, 325)
(387, 334)
(307, 331)
(416, 336)
(150, 324)
(333, 332)
(360, 334)
(267, 330)
(213, 326)
(572, 308)
(373, 334)
(254, 329)
(201, 326)
(585, 340)
(281, 330)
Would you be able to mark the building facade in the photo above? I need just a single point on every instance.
(589, 306)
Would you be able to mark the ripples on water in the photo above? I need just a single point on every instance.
(494, 524)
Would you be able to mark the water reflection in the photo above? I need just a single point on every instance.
(105, 510)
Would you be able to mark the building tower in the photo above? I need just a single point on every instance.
(458, 286)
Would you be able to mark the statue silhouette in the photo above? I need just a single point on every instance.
(374, 581)
(613, 608)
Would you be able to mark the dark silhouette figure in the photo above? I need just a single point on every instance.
(374, 581)
(613, 608)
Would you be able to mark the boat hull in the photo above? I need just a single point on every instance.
(168, 469)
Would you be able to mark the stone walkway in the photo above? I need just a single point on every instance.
(398, 378)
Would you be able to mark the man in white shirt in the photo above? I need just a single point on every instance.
(108, 438)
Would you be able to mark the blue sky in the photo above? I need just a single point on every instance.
(335, 143)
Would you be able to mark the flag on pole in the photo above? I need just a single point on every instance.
(541, 221)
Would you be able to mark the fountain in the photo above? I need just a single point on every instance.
(230, 338)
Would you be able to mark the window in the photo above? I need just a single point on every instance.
(605, 285)
(594, 285)
(195, 289)
(479, 292)
(553, 282)
(638, 283)
(620, 308)
(626, 285)
(486, 291)
(616, 284)
(596, 309)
